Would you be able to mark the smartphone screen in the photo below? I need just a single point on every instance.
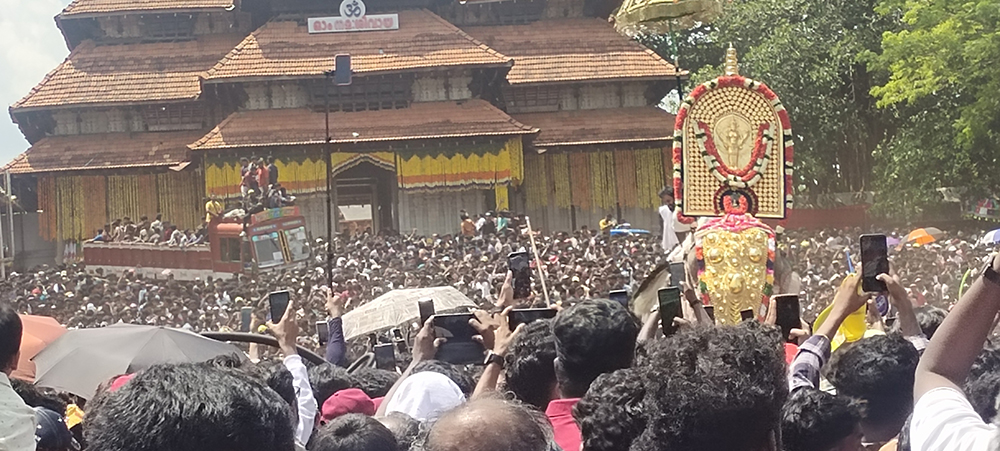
(397, 335)
(746, 314)
(323, 332)
(278, 302)
(788, 315)
(619, 296)
(525, 316)
(677, 273)
(245, 314)
(459, 348)
(874, 261)
(670, 308)
(710, 310)
(426, 308)
(519, 264)
(385, 357)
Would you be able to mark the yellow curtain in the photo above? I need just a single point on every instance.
(71, 208)
(307, 175)
(222, 179)
(536, 181)
(649, 177)
(560, 176)
(476, 168)
(503, 201)
(625, 178)
(603, 190)
(48, 222)
(180, 198)
(132, 196)
(342, 161)
(96, 203)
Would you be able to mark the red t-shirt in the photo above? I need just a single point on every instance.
(564, 427)
(262, 178)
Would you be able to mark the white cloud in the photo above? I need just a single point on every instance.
(32, 46)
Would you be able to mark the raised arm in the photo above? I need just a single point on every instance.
(336, 346)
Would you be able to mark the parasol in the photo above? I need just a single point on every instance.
(991, 237)
(923, 236)
(660, 16)
(80, 360)
(38, 332)
(400, 306)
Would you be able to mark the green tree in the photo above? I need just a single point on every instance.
(810, 53)
(943, 83)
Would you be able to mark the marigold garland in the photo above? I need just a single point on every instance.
(536, 181)
(560, 176)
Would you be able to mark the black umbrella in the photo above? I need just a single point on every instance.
(80, 360)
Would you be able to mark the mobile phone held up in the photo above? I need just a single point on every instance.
(710, 310)
(426, 308)
(788, 315)
(874, 261)
(278, 303)
(670, 308)
(619, 296)
(746, 314)
(526, 316)
(323, 332)
(245, 314)
(677, 276)
(519, 264)
(385, 357)
(459, 347)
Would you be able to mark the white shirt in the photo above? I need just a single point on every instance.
(304, 396)
(669, 237)
(17, 420)
(943, 420)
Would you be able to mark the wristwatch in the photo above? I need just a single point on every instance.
(988, 273)
(492, 357)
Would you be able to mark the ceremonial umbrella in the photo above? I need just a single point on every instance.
(925, 235)
(37, 333)
(79, 361)
(991, 237)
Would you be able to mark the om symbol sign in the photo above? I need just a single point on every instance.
(352, 8)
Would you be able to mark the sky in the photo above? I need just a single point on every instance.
(32, 46)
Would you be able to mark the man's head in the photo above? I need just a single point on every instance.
(353, 432)
(528, 367)
(591, 338)
(489, 425)
(10, 339)
(878, 370)
(270, 160)
(714, 389)
(667, 196)
(327, 379)
(190, 407)
(611, 415)
(812, 420)
(51, 432)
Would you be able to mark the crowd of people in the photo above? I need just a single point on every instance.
(155, 232)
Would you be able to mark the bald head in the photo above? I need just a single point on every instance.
(489, 425)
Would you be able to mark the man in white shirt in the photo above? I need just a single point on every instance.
(668, 217)
(943, 419)
(17, 420)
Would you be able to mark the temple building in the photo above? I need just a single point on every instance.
(532, 106)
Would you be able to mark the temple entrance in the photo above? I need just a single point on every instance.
(364, 199)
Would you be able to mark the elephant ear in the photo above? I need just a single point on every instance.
(645, 297)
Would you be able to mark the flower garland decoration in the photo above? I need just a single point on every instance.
(786, 131)
(740, 178)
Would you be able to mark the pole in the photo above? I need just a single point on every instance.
(10, 214)
(329, 185)
(677, 58)
(538, 260)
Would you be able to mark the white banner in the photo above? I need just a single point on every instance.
(374, 22)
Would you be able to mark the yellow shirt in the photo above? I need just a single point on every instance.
(213, 209)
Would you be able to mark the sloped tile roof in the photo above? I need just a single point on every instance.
(571, 50)
(104, 151)
(426, 120)
(604, 126)
(125, 73)
(284, 48)
(79, 7)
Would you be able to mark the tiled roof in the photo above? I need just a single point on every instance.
(104, 151)
(284, 48)
(604, 126)
(426, 120)
(125, 73)
(120, 6)
(571, 50)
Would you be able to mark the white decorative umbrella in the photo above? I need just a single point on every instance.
(400, 306)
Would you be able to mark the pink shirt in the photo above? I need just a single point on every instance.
(567, 433)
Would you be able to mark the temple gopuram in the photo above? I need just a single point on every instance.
(533, 106)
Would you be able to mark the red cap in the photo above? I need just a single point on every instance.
(351, 400)
(120, 382)
(791, 350)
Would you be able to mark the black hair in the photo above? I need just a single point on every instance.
(714, 389)
(190, 407)
(982, 386)
(403, 427)
(611, 415)
(529, 373)
(353, 432)
(667, 190)
(814, 420)
(35, 396)
(327, 379)
(592, 337)
(374, 382)
(930, 318)
(10, 337)
(456, 373)
(878, 370)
